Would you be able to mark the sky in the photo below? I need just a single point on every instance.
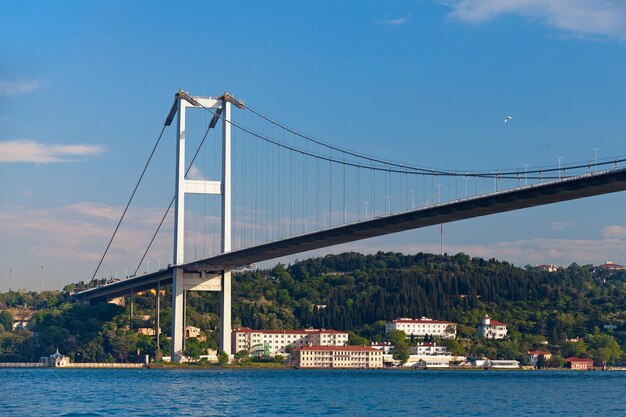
(85, 87)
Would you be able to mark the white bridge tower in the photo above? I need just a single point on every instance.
(203, 280)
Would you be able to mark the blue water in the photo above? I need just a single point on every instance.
(94, 392)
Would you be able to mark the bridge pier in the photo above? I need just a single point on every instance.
(178, 332)
(225, 314)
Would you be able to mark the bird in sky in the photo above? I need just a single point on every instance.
(507, 118)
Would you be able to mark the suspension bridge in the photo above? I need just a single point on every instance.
(263, 190)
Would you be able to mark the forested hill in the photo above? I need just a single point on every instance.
(353, 291)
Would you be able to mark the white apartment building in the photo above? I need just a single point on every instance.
(275, 342)
(422, 327)
(492, 329)
(428, 349)
(337, 357)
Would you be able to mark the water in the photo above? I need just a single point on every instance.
(89, 392)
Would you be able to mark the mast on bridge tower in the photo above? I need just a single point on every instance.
(204, 280)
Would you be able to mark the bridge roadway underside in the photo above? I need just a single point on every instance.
(533, 195)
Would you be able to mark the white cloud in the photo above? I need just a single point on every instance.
(561, 225)
(79, 232)
(578, 17)
(30, 151)
(195, 174)
(612, 232)
(94, 210)
(394, 22)
(15, 88)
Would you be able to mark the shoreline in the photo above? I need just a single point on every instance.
(166, 366)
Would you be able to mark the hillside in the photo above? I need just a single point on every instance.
(356, 293)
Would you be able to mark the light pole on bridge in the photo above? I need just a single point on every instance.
(595, 157)
(526, 172)
(559, 158)
(466, 179)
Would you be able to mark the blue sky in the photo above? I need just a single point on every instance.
(85, 86)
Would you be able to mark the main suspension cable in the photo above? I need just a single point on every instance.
(400, 167)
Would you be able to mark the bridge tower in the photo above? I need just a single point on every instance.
(209, 280)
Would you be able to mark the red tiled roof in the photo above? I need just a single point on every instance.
(611, 266)
(496, 323)
(339, 348)
(538, 352)
(330, 331)
(575, 359)
(248, 330)
(421, 321)
(302, 332)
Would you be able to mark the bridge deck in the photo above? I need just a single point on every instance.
(587, 185)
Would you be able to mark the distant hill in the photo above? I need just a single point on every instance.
(355, 293)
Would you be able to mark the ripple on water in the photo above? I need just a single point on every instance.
(82, 393)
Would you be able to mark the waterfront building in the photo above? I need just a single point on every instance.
(56, 360)
(533, 356)
(492, 329)
(436, 361)
(579, 363)
(503, 364)
(422, 327)
(337, 357)
(433, 361)
(478, 362)
(276, 342)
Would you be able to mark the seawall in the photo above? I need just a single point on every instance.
(91, 365)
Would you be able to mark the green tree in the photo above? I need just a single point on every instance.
(222, 358)
(578, 349)
(356, 340)
(604, 348)
(453, 346)
(243, 355)
(6, 321)
(122, 344)
(92, 351)
(193, 349)
(555, 361)
(401, 345)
